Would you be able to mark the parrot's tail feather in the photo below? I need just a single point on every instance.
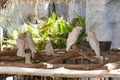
(67, 49)
(21, 55)
(32, 55)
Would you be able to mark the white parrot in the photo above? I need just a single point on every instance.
(94, 43)
(21, 45)
(72, 37)
(49, 48)
(30, 43)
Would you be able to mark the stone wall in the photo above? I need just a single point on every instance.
(96, 19)
(102, 16)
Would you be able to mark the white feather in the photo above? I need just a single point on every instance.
(20, 45)
(49, 48)
(30, 43)
(72, 37)
(94, 43)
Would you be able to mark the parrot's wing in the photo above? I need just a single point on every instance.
(30, 43)
(71, 40)
(72, 37)
(49, 48)
(21, 47)
(94, 43)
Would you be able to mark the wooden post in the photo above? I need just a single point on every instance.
(1, 37)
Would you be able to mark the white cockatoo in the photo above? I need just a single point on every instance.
(49, 48)
(21, 45)
(72, 37)
(30, 43)
(94, 43)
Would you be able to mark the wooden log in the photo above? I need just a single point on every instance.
(57, 57)
(86, 51)
(48, 65)
(11, 52)
(90, 52)
(60, 72)
(11, 58)
(111, 66)
(62, 56)
(23, 65)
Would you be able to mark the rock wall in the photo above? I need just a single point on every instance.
(96, 19)
(102, 17)
(78, 7)
(20, 13)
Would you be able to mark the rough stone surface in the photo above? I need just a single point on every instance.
(102, 17)
(96, 19)
(116, 24)
(78, 7)
(18, 14)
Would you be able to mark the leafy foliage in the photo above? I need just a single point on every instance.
(56, 29)
(82, 23)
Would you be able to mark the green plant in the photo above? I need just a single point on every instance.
(82, 22)
(56, 29)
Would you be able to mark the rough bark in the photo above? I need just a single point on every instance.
(111, 66)
(57, 59)
(59, 72)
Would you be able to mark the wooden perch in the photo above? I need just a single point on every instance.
(111, 66)
(59, 72)
(52, 66)
(55, 59)
(86, 50)
(11, 58)
(105, 54)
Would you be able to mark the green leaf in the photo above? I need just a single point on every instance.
(11, 34)
(44, 36)
(81, 21)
